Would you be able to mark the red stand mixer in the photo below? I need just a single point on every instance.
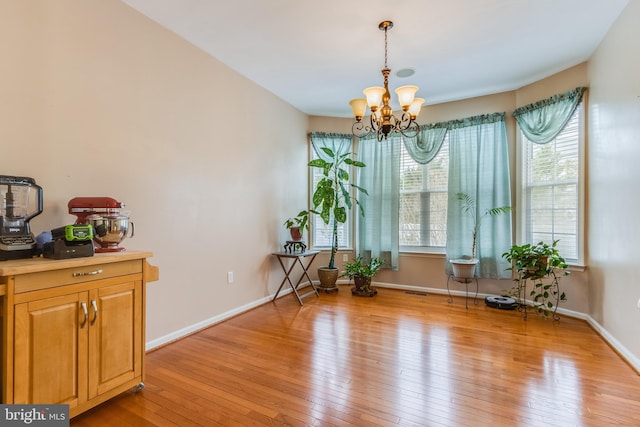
(110, 223)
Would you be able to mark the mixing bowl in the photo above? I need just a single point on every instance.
(110, 230)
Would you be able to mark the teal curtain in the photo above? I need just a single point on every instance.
(336, 142)
(427, 143)
(542, 121)
(379, 229)
(479, 167)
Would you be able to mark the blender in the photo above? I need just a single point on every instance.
(110, 223)
(21, 200)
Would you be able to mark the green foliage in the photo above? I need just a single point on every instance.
(542, 265)
(332, 196)
(469, 206)
(301, 220)
(358, 268)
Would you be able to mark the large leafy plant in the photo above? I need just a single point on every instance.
(332, 196)
(542, 265)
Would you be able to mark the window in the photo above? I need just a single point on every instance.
(551, 190)
(321, 233)
(423, 201)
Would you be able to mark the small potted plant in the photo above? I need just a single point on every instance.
(465, 268)
(542, 265)
(297, 225)
(361, 273)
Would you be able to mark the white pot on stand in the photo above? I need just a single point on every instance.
(464, 268)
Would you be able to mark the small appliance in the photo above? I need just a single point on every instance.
(110, 222)
(21, 201)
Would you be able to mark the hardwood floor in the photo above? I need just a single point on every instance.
(396, 359)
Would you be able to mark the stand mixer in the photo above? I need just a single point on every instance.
(21, 201)
(110, 223)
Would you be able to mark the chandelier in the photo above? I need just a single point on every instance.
(383, 121)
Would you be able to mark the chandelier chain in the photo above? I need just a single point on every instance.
(385, 47)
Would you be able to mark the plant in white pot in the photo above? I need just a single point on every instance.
(464, 268)
(331, 200)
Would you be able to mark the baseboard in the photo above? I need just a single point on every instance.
(622, 351)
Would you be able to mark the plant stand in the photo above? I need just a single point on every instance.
(521, 299)
(466, 281)
(357, 292)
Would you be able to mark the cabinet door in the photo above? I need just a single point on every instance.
(115, 338)
(50, 355)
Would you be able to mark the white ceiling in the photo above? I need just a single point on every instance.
(317, 55)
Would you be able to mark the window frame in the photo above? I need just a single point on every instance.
(314, 219)
(521, 203)
(427, 249)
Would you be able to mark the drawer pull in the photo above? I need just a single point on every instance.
(86, 313)
(89, 273)
(95, 311)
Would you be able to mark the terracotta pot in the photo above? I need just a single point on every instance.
(296, 234)
(363, 287)
(361, 282)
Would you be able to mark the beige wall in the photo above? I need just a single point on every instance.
(97, 100)
(614, 173)
(427, 271)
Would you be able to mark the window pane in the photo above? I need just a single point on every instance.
(322, 233)
(551, 174)
(423, 199)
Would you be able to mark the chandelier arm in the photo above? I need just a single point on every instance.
(411, 129)
(360, 130)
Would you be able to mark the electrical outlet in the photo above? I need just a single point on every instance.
(345, 257)
(230, 277)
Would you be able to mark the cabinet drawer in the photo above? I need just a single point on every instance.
(69, 276)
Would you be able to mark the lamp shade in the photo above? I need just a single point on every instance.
(415, 107)
(374, 96)
(359, 107)
(406, 95)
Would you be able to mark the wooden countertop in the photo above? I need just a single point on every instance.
(34, 265)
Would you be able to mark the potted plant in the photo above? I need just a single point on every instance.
(297, 225)
(332, 198)
(464, 268)
(542, 265)
(361, 274)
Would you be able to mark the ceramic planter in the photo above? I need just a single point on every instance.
(464, 268)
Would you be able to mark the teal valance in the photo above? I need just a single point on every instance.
(542, 121)
(425, 146)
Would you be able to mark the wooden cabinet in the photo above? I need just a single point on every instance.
(74, 333)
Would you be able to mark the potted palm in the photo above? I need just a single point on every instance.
(464, 268)
(331, 199)
(542, 266)
(361, 273)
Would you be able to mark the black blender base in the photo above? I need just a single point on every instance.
(17, 254)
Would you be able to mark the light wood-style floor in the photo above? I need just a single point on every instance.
(396, 359)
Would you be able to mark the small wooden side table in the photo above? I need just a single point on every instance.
(297, 258)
